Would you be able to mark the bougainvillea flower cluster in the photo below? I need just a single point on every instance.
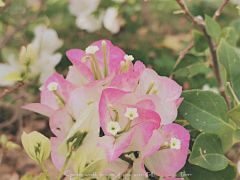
(108, 110)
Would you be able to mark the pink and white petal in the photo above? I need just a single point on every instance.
(153, 145)
(60, 123)
(115, 147)
(75, 54)
(58, 160)
(167, 162)
(147, 104)
(39, 108)
(125, 81)
(49, 98)
(117, 167)
(138, 66)
(179, 101)
(109, 96)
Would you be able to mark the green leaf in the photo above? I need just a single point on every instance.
(204, 110)
(225, 133)
(229, 35)
(207, 152)
(236, 25)
(41, 177)
(189, 66)
(231, 62)
(12, 145)
(236, 136)
(213, 28)
(234, 114)
(27, 177)
(3, 139)
(14, 76)
(200, 42)
(2, 3)
(198, 173)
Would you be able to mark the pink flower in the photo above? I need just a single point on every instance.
(122, 132)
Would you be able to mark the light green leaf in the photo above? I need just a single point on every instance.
(3, 139)
(198, 173)
(231, 62)
(236, 136)
(213, 28)
(41, 177)
(14, 76)
(189, 66)
(12, 145)
(207, 152)
(28, 56)
(79, 161)
(2, 3)
(204, 110)
(27, 177)
(234, 114)
(229, 35)
(200, 42)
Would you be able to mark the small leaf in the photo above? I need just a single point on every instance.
(230, 35)
(41, 177)
(27, 177)
(3, 139)
(14, 76)
(28, 56)
(204, 110)
(231, 62)
(12, 145)
(189, 66)
(213, 28)
(207, 152)
(2, 4)
(200, 42)
(236, 136)
(234, 114)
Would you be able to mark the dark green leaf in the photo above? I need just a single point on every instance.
(213, 28)
(229, 35)
(207, 152)
(234, 114)
(204, 110)
(189, 66)
(200, 42)
(231, 62)
(236, 136)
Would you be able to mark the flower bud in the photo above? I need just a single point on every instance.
(28, 56)
(36, 145)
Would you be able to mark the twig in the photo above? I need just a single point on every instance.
(181, 55)
(128, 160)
(7, 4)
(219, 11)
(20, 26)
(199, 21)
(6, 92)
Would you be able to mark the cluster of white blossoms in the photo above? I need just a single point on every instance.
(86, 20)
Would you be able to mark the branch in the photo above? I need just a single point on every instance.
(6, 92)
(200, 22)
(219, 11)
(181, 55)
(21, 25)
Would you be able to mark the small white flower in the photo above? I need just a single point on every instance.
(175, 143)
(52, 86)
(131, 113)
(91, 49)
(113, 128)
(128, 57)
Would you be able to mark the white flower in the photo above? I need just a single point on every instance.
(175, 143)
(52, 86)
(111, 21)
(213, 89)
(83, 7)
(113, 128)
(90, 23)
(91, 49)
(128, 57)
(46, 40)
(131, 113)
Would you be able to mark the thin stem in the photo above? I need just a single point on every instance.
(44, 170)
(200, 22)
(233, 93)
(59, 96)
(219, 11)
(64, 166)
